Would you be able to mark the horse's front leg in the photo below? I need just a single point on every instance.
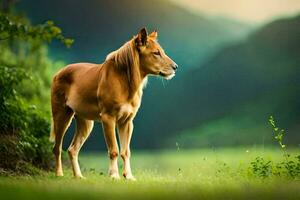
(125, 132)
(108, 124)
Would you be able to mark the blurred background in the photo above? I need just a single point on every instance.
(239, 63)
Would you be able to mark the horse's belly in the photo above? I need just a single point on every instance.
(84, 106)
(90, 112)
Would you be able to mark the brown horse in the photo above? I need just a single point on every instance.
(110, 92)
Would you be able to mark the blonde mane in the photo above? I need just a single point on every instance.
(127, 58)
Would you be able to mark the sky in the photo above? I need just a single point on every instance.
(252, 11)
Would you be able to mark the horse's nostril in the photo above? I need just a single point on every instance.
(175, 66)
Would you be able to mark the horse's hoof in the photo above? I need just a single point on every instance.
(80, 177)
(129, 177)
(59, 174)
(114, 176)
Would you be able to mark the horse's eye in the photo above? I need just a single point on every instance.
(156, 53)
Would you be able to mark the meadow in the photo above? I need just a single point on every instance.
(232, 76)
(225, 173)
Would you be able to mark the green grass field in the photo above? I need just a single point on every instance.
(181, 174)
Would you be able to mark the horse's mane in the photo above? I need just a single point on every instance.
(127, 58)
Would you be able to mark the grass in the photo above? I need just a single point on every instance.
(183, 174)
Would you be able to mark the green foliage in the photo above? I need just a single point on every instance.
(261, 167)
(279, 133)
(27, 50)
(25, 72)
(288, 167)
(14, 27)
(24, 130)
(264, 168)
(10, 102)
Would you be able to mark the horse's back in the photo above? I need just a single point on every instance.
(69, 72)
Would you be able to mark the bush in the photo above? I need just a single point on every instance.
(24, 83)
(289, 166)
(24, 130)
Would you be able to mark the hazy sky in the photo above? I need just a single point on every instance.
(246, 10)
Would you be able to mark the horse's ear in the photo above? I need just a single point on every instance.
(153, 34)
(141, 39)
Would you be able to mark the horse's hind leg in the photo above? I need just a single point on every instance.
(83, 129)
(61, 121)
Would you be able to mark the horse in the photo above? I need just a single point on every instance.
(111, 93)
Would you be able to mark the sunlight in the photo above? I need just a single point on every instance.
(255, 11)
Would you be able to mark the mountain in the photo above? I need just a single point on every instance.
(101, 26)
(228, 99)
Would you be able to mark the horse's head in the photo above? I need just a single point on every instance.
(153, 59)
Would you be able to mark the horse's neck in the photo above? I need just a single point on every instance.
(135, 83)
